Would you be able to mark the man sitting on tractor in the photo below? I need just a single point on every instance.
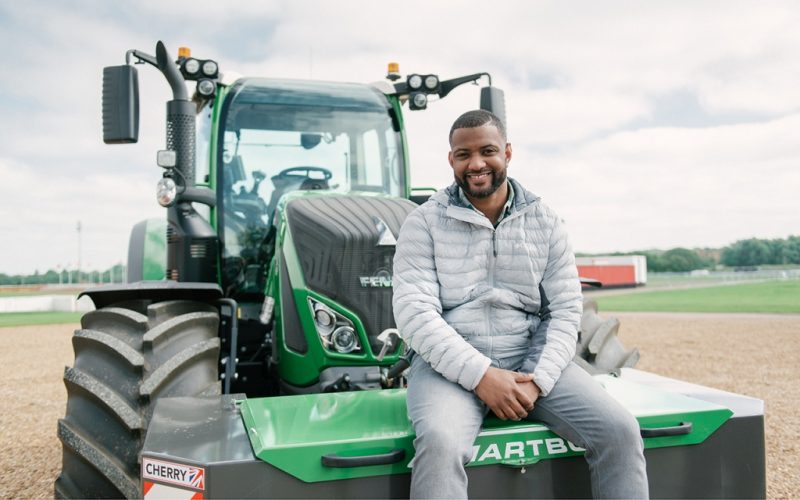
(486, 294)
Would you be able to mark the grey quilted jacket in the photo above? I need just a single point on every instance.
(468, 295)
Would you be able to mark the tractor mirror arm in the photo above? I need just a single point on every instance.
(445, 86)
(163, 62)
(141, 56)
(448, 85)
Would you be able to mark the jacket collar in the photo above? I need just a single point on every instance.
(455, 207)
(522, 197)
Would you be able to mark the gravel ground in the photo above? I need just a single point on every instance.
(752, 354)
(722, 351)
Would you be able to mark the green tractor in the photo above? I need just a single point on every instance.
(253, 352)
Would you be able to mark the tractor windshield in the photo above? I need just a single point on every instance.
(278, 136)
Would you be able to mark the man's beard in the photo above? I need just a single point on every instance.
(498, 178)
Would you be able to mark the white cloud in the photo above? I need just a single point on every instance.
(661, 188)
(40, 212)
(586, 84)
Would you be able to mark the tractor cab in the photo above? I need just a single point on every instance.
(281, 136)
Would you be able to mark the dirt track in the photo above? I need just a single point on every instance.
(756, 355)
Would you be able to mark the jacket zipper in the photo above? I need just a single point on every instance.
(489, 309)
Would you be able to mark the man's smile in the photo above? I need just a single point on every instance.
(478, 176)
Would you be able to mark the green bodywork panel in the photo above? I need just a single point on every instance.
(154, 255)
(292, 433)
(303, 369)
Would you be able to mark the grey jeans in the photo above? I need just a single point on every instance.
(447, 419)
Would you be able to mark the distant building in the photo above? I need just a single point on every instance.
(614, 271)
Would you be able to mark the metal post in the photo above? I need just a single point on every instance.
(78, 278)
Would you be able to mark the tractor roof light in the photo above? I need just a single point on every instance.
(184, 52)
(191, 66)
(166, 191)
(431, 83)
(206, 87)
(414, 82)
(419, 100)
(210, 68)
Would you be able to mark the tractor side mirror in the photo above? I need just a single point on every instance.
(120, 105)
(494, 101)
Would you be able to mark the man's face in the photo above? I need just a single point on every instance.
(479, 157)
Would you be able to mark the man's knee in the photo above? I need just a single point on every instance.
(622, 431)
(443, 440)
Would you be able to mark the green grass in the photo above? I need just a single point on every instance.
(38, 318)
(767, 297)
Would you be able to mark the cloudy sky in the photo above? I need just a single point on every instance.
(644, 124)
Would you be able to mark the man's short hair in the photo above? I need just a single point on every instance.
(478, 118)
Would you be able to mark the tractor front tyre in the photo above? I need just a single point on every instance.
(599, 349)
(127, 357)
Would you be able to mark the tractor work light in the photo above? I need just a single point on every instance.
(414, 82)
(197, 69)
(418, 101)
(166, 158)
(191, 66)
(166, 191)
(335, 331)
(206, 88)
(210, 69)
(431, 82)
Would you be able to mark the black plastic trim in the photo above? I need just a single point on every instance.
(293, 333)
(136, 252)
(155, 291)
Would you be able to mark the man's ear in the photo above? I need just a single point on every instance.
(450, 159)
(508, 152)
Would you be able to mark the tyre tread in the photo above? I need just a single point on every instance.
(125, 360)
(106, 396)
(104, 464)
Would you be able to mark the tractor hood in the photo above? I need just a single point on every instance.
(324, 437)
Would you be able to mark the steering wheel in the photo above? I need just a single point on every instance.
(291, 172)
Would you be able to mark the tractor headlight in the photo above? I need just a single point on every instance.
(335, 331)
(166, 191)
(344, 339)
(324, 319)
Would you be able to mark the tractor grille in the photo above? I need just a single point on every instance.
(337, 238)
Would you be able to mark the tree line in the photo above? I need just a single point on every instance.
(114, 274)
(743, 254)
(747, 253)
